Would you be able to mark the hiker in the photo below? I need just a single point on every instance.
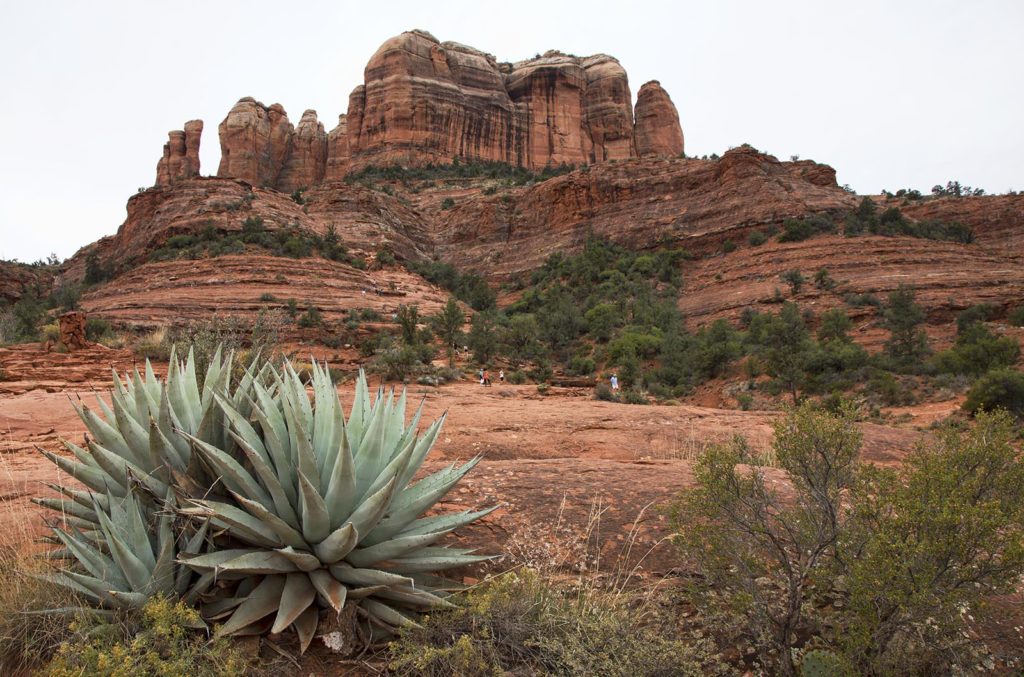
(501, 375)
(480, 375)
(487, 378)
(615, 382)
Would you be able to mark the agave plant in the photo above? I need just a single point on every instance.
(130, 468)
(132, 556)
(321, 512)
(138, 436)
(288, 507)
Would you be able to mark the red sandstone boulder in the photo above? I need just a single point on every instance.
(255, 142)
(307, 161)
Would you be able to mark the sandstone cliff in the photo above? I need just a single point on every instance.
(425, 101)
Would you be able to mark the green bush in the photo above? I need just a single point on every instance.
(159, 643)
(728, 246)
(634, 396)
(581, 365)
(97, 329)
(756, 238)
(517, 377)
(520, 624)
(604, 393)
(976, 351)
(1016, 317)
(998, 389)
(447, 203)
(385, 257)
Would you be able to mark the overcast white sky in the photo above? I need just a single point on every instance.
(891, 94)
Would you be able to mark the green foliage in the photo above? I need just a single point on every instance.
(889, 390)
(797, 230)
(311, 318)
(633, 396)
(823, 280)
(602, 320)
(159, 642)
(1016, 317)
(998, 389)
(785, 348)
(976, 351)
(926, 541)
(956, 189)
(483, 336)
(604, 393)
(824, 663)
(728, 246)
(97, 329)
(892, 223)
(385, 257)
(758, 550)
(795, 279)
(468, 287)
(96, 271)
(862, 300)
(981, 312)
(519, 623)
(447, 203)
(408, 318)
(447, 325)
(907, 343)
(834, 325)
(581, 365)
(756, 238)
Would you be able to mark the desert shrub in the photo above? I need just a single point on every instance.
(604, 393)
(756, 238)
(795, 279)
(903, 317)
(982, 312)
(519, 623)
(516, 377)
(738, 527)
(998, 389)
(728, 246)
(65, 296)
(862, 300)
(634, 396)
(96, 271)
(396, 363)
(385, 257)
(50, 332)
(159, 642)
(267, 297)
(311, 318)
(927, 542)
(581, 365)
(97, 329)
(797, 230)
(447, 203)
(976, 351)
(889, 390)
(823, 280)
(1016, 317)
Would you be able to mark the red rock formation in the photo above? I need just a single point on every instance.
(181, 154)
(307, 161)
(337, 151)
(427, 101)
(255, 142)
(657, 130)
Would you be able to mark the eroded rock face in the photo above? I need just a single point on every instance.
(181, 154)
(255, 142)
(307, 161)
(657, 131)
(429, 101)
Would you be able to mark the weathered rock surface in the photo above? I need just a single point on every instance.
(19, 279)
(181, 154)
(255, 142)
(657, 130)
(695, 204)
(307, 161)
(427, 101)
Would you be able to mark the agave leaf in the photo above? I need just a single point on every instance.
(415, 500)
(136, 533)
(340, 543)
(264, 600)
(235, 477)
(239, 522)
(408, 596)
(389, 527)
(297, 596)
(261, 562)
(95, 479)
(94, 561)
(341, 488)
(305, 626)
(423, 446)
(117, 468)
(213, 560)
(302, 560)
(301, 447)
(421, 563)
(129, 600)
(285, 533)
(316, 523)
(135, 571)
(66, 505)
(265, 472)
(331, 591)
(390, 549)
(367, 577)
(105, 434)
(387, 614)
(243, 428)
(192, 548)
(370, 511)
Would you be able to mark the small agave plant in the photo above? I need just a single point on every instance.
(293, 511)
